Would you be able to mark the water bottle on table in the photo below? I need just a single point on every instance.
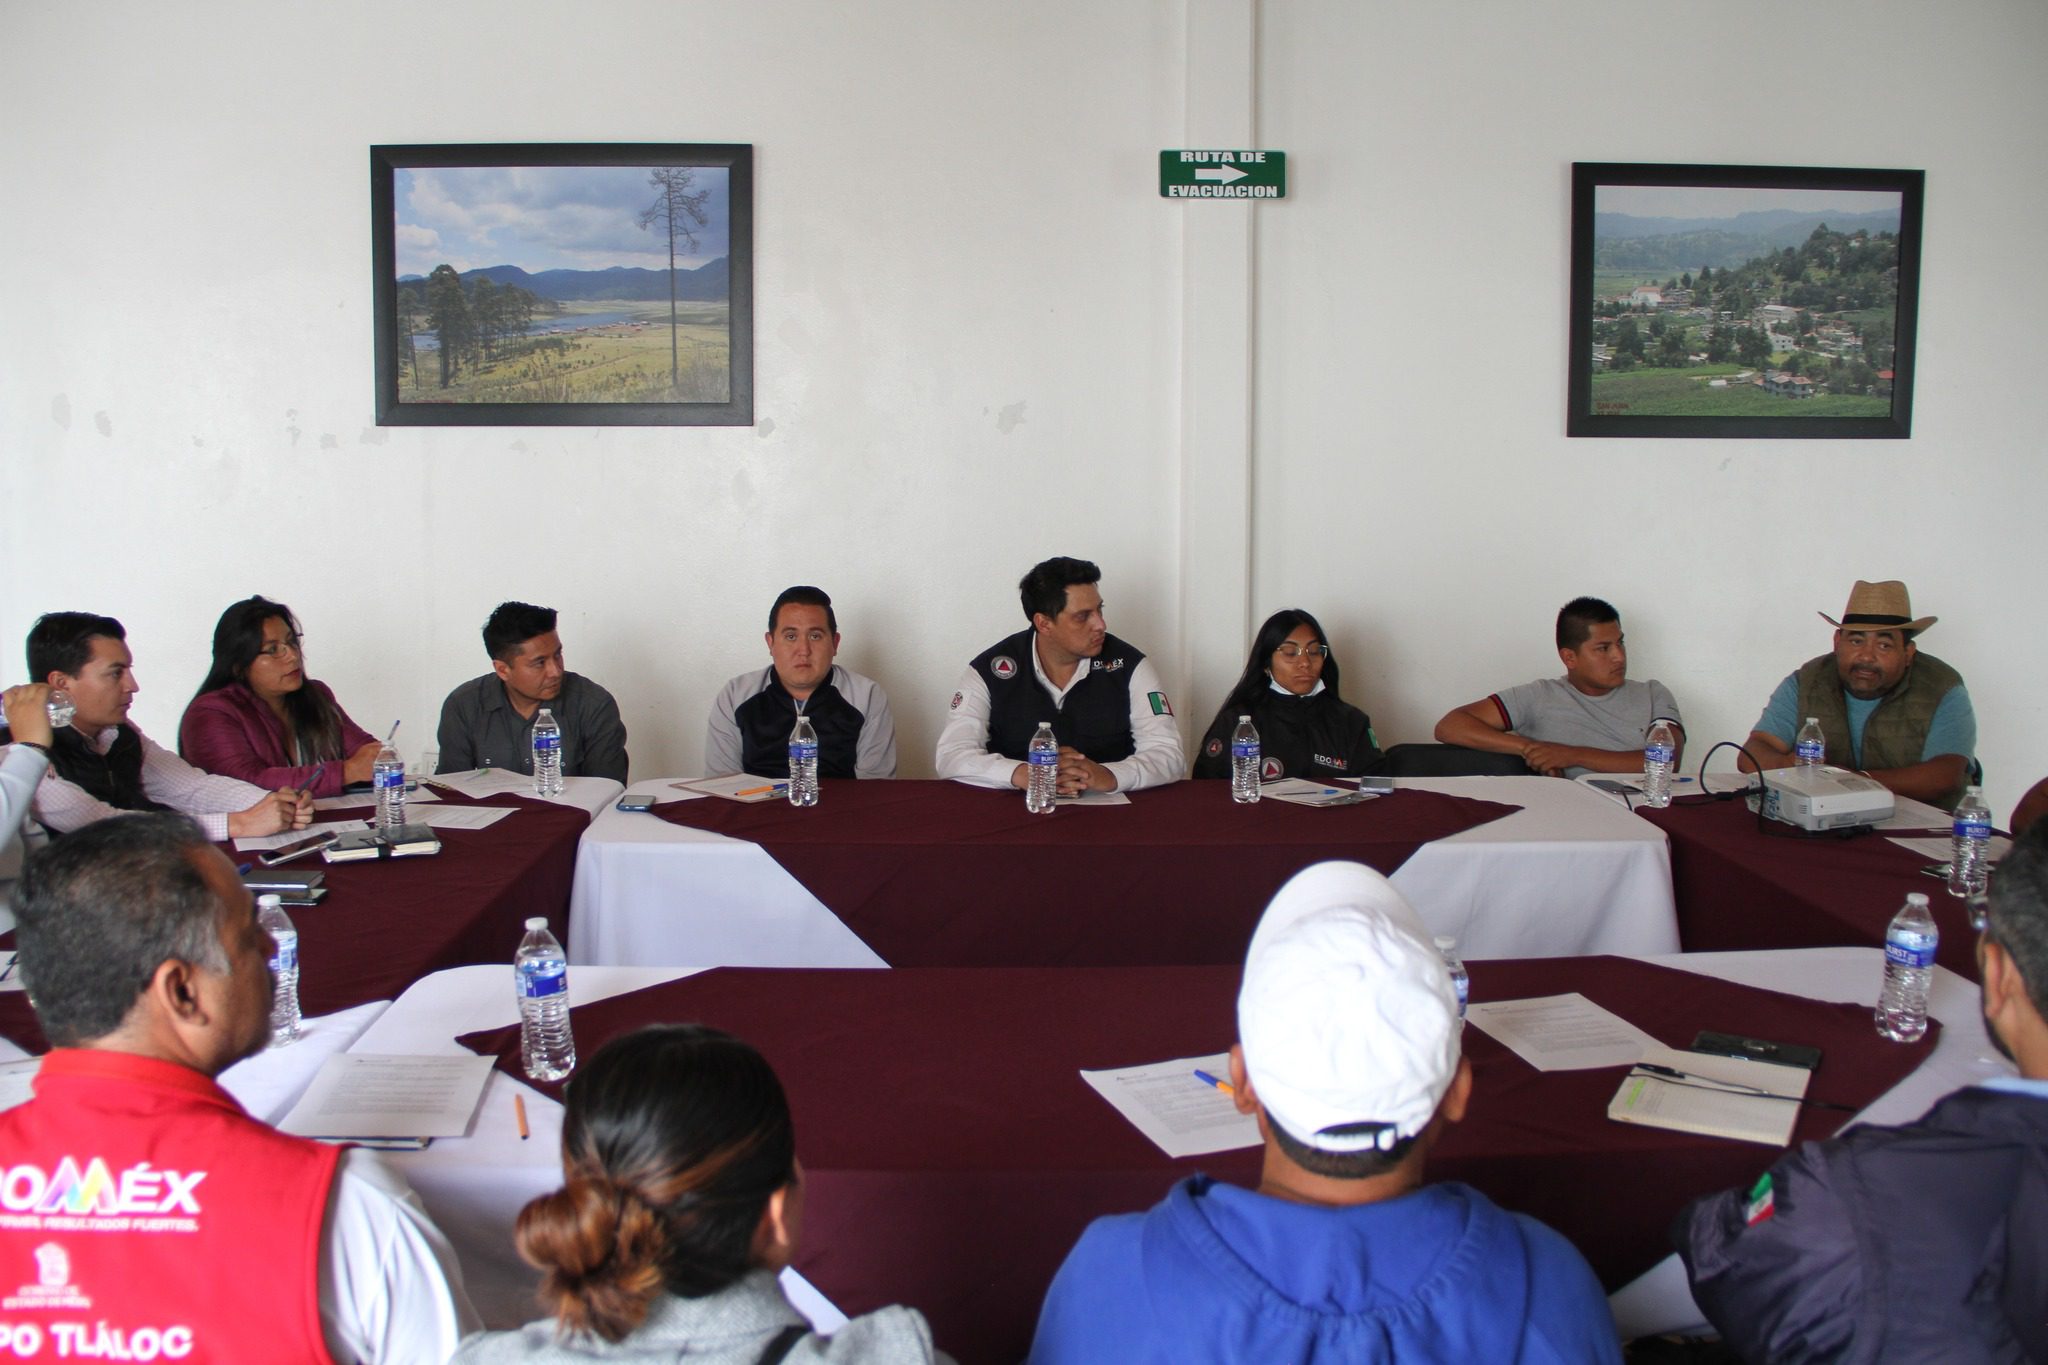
(284, 969)
(1244, 762)
(1811, 748)
(540, 973)
(1041, 788)
(1461, 980)
(547, 754)
(1909, 946)
(803, 763)
(1969, 859)
(387, 776)
(1660, 752)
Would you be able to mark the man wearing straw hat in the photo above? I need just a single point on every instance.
(1890, 712)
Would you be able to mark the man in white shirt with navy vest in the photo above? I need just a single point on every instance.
(1104, 698)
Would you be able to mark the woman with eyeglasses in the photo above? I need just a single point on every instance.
(1289, 689)
(682, 1200)
(260, 718)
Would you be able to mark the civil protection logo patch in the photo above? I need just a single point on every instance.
(1272, 770)
(1213, 748)
(1003, 666)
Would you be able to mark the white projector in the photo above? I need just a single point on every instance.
(1823, 798)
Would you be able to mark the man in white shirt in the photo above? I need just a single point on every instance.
(102, 765)
(1103, 697)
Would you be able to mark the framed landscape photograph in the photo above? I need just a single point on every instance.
(563, 284)
(1744, 301)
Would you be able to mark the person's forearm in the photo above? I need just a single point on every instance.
(1469, 732)
(1763, 751)
(1933, 781)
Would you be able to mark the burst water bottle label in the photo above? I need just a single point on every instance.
(802, 753)
(1244, 748)
(1045, 758)
(1812, 751)
(1910, 950)
(1973, 828)
(1657, 753)
(537, 983)
(285, 958)
(548, 742)
(389, 777)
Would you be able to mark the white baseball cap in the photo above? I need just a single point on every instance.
(1347, 1013)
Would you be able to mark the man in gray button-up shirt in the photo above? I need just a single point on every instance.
(488, 721)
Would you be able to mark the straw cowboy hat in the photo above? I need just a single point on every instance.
(1880, 606)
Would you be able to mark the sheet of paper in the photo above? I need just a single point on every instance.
(10, 973)
(1183, 1114)
(263, 843)
(1937, 848)
(484, 781)
(17, 1081)
(445, 816)
(679, 791)
(1560, 1032)
(1300, 791)
(744, 787)
(376, 1096)
(359, 800)
(1095, 799)
(1694, 1102)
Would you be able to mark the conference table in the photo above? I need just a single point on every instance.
(953, 1153)
(918, 873)
(384, 924)
(1743, 883)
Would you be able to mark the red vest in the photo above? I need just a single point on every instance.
(144, 1216)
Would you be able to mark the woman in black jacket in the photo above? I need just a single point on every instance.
(1289, 689)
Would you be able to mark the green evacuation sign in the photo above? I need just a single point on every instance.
(1223, 175)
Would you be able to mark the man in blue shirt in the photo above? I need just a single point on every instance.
(1348, 1057)
(1928, 1241)
(1900, 717)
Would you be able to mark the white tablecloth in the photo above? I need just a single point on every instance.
(1570, 873)
(475, 1186)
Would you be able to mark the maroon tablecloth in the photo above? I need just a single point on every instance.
(937, 874)
(1740, 887)
(954, 1155)
(384, 925)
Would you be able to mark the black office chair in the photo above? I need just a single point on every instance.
(1448, 760)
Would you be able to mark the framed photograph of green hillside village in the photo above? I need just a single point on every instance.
(1746, 301)
(563, 284)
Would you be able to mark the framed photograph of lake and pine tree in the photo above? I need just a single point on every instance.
(563, 284)
(1745, 301)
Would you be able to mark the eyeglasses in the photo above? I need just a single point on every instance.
(1290, 650)
(290, 643)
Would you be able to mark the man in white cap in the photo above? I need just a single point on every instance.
(1896, 715)
(1349, 1059)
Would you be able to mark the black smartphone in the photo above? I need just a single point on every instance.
(1757, 1049)
(637, 801)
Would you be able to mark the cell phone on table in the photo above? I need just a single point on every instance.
(1757, 1049)
(297, 848)
(637, 801)
(1617, 788)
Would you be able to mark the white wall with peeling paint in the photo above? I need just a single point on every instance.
(980, 340)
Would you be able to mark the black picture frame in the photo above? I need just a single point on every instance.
(1842, 285)
(558, 337)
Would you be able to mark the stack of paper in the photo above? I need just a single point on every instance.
(390, 1100)
(1696, 1092)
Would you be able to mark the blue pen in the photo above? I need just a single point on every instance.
(1225, 1086)
(318, 769)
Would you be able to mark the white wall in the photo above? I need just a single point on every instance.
(957, 219)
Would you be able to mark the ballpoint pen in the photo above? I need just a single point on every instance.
(1225, 1086)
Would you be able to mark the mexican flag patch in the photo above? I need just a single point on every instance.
(1160, 705)
(1762, 1202)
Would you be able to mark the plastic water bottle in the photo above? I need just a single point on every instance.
(1811, 749)
(387, 775)
(1908, 966)
(1969, 866)
(1041, 790)
(60, 708)
(1660, 750)
(284, 969)
(547, 754)
(1447, 947)
(540, 974)
(803, 763)
(1244, 762)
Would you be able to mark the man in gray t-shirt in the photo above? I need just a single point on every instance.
(1593, 719)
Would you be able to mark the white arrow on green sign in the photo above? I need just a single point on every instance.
(1222, 175)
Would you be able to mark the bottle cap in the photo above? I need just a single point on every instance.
(269, 898)
(1244, 720)
(541, 921)
(1916, 898)
(1446, 942)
